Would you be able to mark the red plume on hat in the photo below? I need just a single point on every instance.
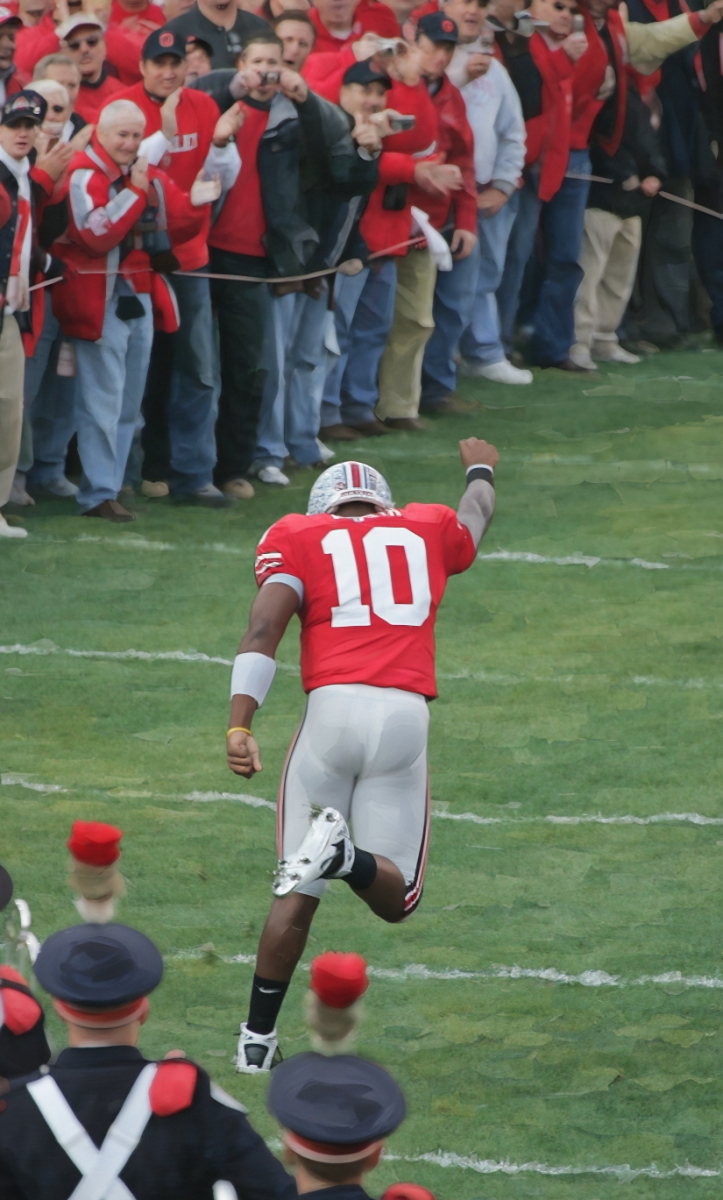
(94, 874)
(334, 1006)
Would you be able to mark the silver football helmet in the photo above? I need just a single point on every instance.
(345, 482)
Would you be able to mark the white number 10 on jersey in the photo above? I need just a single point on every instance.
(350, 610)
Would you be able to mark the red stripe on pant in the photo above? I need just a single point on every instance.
(414, 891)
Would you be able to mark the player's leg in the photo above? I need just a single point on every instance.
(390, 805)
(317, 772)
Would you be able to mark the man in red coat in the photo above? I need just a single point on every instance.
(181, 400)
(116, 201)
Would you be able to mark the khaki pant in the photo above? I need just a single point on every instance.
(12, 376)
(609, 258)
(400, 371)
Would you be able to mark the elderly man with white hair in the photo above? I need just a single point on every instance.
(123, 216)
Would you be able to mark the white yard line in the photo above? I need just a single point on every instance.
(487, 1166)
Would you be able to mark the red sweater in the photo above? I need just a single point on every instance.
(125, 36)
(122, 52)
(92, 97)
(370, 16)
(197, 114)
(241, 224)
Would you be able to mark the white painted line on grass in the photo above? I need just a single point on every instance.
(416, 972)
(570, 560)
(586, 819)
(488, 1166)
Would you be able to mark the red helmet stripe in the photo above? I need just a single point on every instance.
(355, 475)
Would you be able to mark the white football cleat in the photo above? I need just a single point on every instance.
(256, 1051)
(316, 853)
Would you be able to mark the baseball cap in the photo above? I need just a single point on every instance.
(366, 72)
(26, 105)
(163, 41)
(438, 28)
(77, 22)
(7, 17)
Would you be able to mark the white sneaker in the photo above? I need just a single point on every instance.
(315, 854)
(580, 355)
(501, 372)
(273, 475)
(11, 531)
(61, 487)
(325, 452)
(256, 1051)
(613, 352)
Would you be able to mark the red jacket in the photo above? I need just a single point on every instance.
(381, 227)
(104, 211)
(125, 36)
(370, 16)
(548, 134)
(197, 114)
(92, 97)
(456, 146)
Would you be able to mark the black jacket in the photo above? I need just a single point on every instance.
(179, 1157)
(313, 180)
(640, 154)
(225, 43)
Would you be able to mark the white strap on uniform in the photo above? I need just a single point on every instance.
(100, 1168)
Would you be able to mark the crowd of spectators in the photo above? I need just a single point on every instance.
(233, 237)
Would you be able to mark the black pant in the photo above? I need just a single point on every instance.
(244, 314)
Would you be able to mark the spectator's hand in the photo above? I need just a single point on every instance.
(61, 12)
(242, 754)
(475, 452)
(477, 65)
(490, 201)
(54, 161)
(462, 244)
(651, 185)
(574, 45)
(139, 174)
(228, 125)
(205, 191)
(368, 136)
(438, 179)
(246, 81)
(169, 121)
(366, 47)
(608, 85)
(17, 293)
(293, 86)
(405, 66)
(80, 140)
(712, 14)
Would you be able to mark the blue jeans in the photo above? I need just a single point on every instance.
(520, 245)
(562, 222)
(111, 378)
(296, 360)
(181, 401)
(48, 405)
(363, 313)
(481, 341)
(454, 295)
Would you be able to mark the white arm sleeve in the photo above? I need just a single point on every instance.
(252, 676)
(154, 147)
(225, 162)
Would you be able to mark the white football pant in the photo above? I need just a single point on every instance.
(363, 751)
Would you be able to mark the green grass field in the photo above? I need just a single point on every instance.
(580, 675)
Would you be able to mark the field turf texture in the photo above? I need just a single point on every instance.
(590, 687)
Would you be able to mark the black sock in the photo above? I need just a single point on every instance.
(267, 996)
(363, 872)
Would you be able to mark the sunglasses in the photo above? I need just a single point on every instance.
(89, 41)
(56, 108)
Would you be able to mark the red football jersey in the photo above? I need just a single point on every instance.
(370, 588)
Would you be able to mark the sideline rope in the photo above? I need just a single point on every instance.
(710, 212)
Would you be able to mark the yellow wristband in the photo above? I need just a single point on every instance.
(238, 729)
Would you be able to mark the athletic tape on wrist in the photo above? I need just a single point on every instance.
(481, 471)
(252, 675)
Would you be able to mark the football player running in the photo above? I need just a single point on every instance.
(365, 579)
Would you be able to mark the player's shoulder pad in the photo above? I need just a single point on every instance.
(430, 514)
(291, 523)
(222, 1097)
(173, 1086)
(20, 1010)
